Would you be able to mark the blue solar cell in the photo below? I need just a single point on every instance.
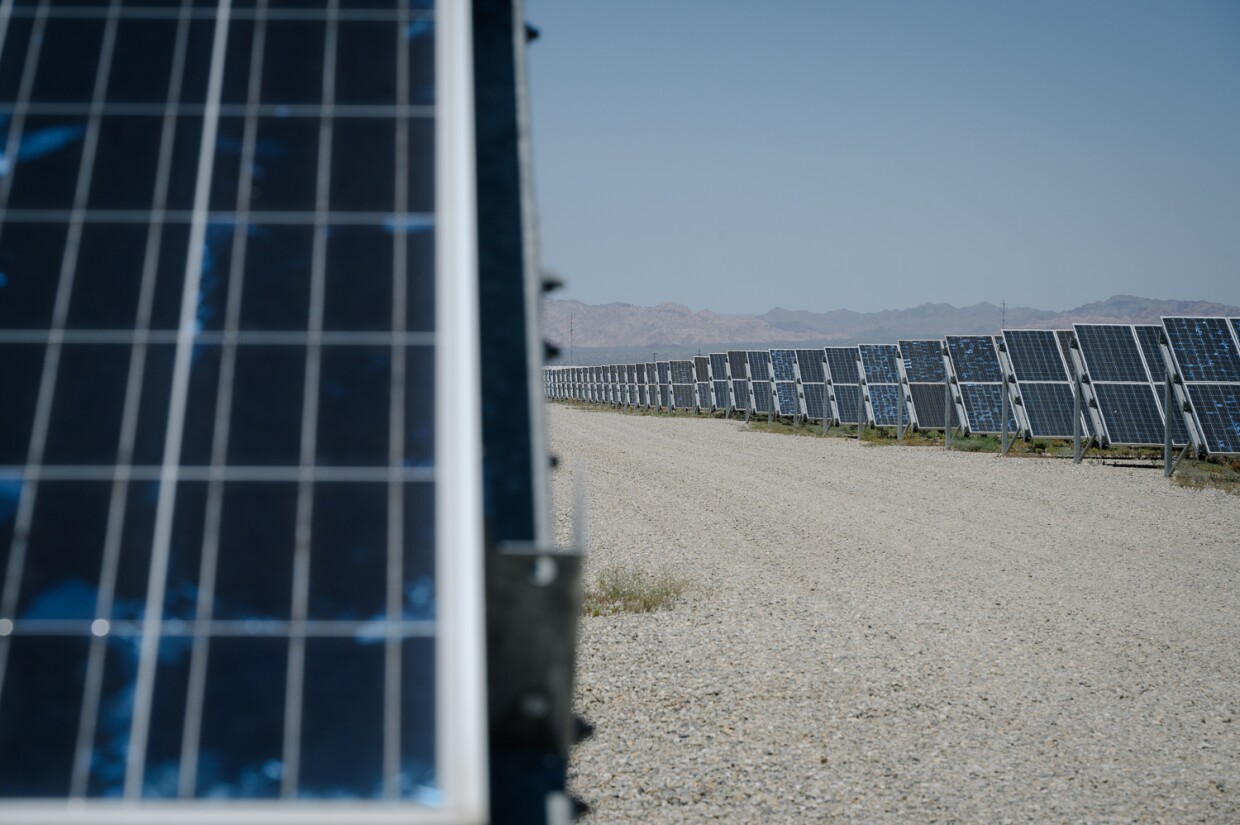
(983, 408)
(809, 361)
(1204, 348)
(814, 400)
(879, 363)
(1035, 355)
(788, 402)
(885, 402)
(842, 365)
(923, 361)
(974, 358)
(783, 362)
(1217, 408)
(848, 402)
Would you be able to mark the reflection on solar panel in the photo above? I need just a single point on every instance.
(783, 362)
(814, 400)
(973, 358)
(847, 402)
(789, 402)
(1206, 354)
(809, 362)
(885, 402)
(879, 363)
(983, 408)
(923, 361)
(241, 389)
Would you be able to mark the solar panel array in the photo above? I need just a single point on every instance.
(225, 435)
(1122, 368)
(1043, 388)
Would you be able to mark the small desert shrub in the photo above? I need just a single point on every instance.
(625, 590)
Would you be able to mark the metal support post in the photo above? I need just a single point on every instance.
(1076, 419)
(1168, 467)
(900, 413)
(947, 414)
(1003, 417)
(770, 411)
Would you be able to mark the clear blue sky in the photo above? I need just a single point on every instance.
(817, 155)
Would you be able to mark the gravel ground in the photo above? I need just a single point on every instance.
(900, 634)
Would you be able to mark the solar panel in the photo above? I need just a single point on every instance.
(1204, 348)
(928, 404)
(879, 363)
(759, 365)
(740, 394)
(974, 358)
(1111, 353)
(737, 360)
(842, 365)
(1132, 414)
(684, 396)
(681, 372)
(701, 368)
(1216, 408)
(718, 366)
(1149, 336)
(761, 396)
(809, 362)
(1035, 355)
(1049, 406)
(789, 401)
(814, 393)
(240, 405)
(847, 402)
(885, 402)
(720, 394)
(703, 396)
(983, 408)
(783, 362)
(1066, 337)
(923, 361)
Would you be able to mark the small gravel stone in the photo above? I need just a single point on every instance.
(900, 634)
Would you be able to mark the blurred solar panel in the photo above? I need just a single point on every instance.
(923, 361)
(879, 363)
(842, 365)
(974, 358)
(701, 368)
(740, 394)
(789, 401)
(783, 363)
(809, 362)
(718, 366)
(233, 410)
(681, 372)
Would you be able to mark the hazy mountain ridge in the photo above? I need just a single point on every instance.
(678, 329)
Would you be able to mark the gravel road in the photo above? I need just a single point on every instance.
(883, 634)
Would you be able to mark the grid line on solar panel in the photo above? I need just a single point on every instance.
(1132, 416)
(1049, 406)
(1216, 406)
(983, 407)
(787, 394)
(1035, 355)
(322, 385)
(1111, 353)
(814, 394)
(879, 363)
(928, 402)
(848, 402)
(885, 402)
(1204, 348)
(809, 361)
(759, 365)
(842, 365)
(783, 362)
(974, 359)
(923, 361)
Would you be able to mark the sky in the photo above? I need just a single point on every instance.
(818, 155)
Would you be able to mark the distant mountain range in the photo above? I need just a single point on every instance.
(623, 332)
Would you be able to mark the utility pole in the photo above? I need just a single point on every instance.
(1003, 322)
(570, 339)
